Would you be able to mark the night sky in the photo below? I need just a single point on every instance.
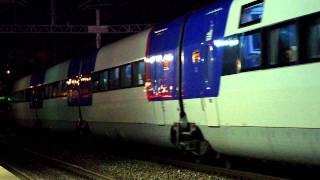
(25, 53)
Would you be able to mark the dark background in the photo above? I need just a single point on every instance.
(23, 54)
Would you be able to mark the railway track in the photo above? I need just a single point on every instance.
(218, 171)
(60, 167)
(134, 154)
(18, 173)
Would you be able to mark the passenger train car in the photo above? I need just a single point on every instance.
(240, 77)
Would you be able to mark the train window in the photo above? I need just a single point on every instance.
(95, 81)
(114, 78)
(64, 87)
(314, 39)
(250, 51)
(56, 89)
(43, 92)
(61, 89)
(47, 91)
(283, 45)
(138, 73)
(104, 79)
(251, 13)
(231, 62)
(52, 90)
(125, 75)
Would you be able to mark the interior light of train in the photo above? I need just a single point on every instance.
(196, 57)
(210, 47)
(73, 82)
(85, 79)
(166, 61)
(68, 82)
(209, 35)
(165, 65)
(227, 42)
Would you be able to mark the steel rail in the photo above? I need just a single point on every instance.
(237, 174)
(75, 169)
(16, 172)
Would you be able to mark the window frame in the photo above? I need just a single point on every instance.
(93, 81)
(304, 22)
(243, 7)
(261, 48)
(109, 81)
(144, 75)
(267, 43)
(120, 75)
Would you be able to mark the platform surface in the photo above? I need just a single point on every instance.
(6, 175)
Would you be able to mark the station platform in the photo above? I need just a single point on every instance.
(6, 175)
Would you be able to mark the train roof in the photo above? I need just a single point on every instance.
(57, 72)
(274, 11)
(22, 84)
(123, 51)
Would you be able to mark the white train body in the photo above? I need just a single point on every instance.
(257, 98)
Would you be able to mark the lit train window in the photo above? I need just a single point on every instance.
(138, 73)
(250, 53)
(283, 45)
(103, 80)
(314, 39)
(251, 13)
(114, 78)
(125, 75)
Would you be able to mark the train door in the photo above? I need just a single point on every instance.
(162, 75)
(79, 87)
(34, 94)
(79, 81)
(202, 59)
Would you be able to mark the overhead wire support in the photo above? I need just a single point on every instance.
(73, 29)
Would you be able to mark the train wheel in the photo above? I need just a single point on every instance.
(83, 127)
(202, 148)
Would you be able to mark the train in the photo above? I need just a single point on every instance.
(239, 77)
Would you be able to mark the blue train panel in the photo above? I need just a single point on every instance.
(74, 68)
(79, 84)
(162, 61)
(202, 60)
(34, 93)
(88, 63)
